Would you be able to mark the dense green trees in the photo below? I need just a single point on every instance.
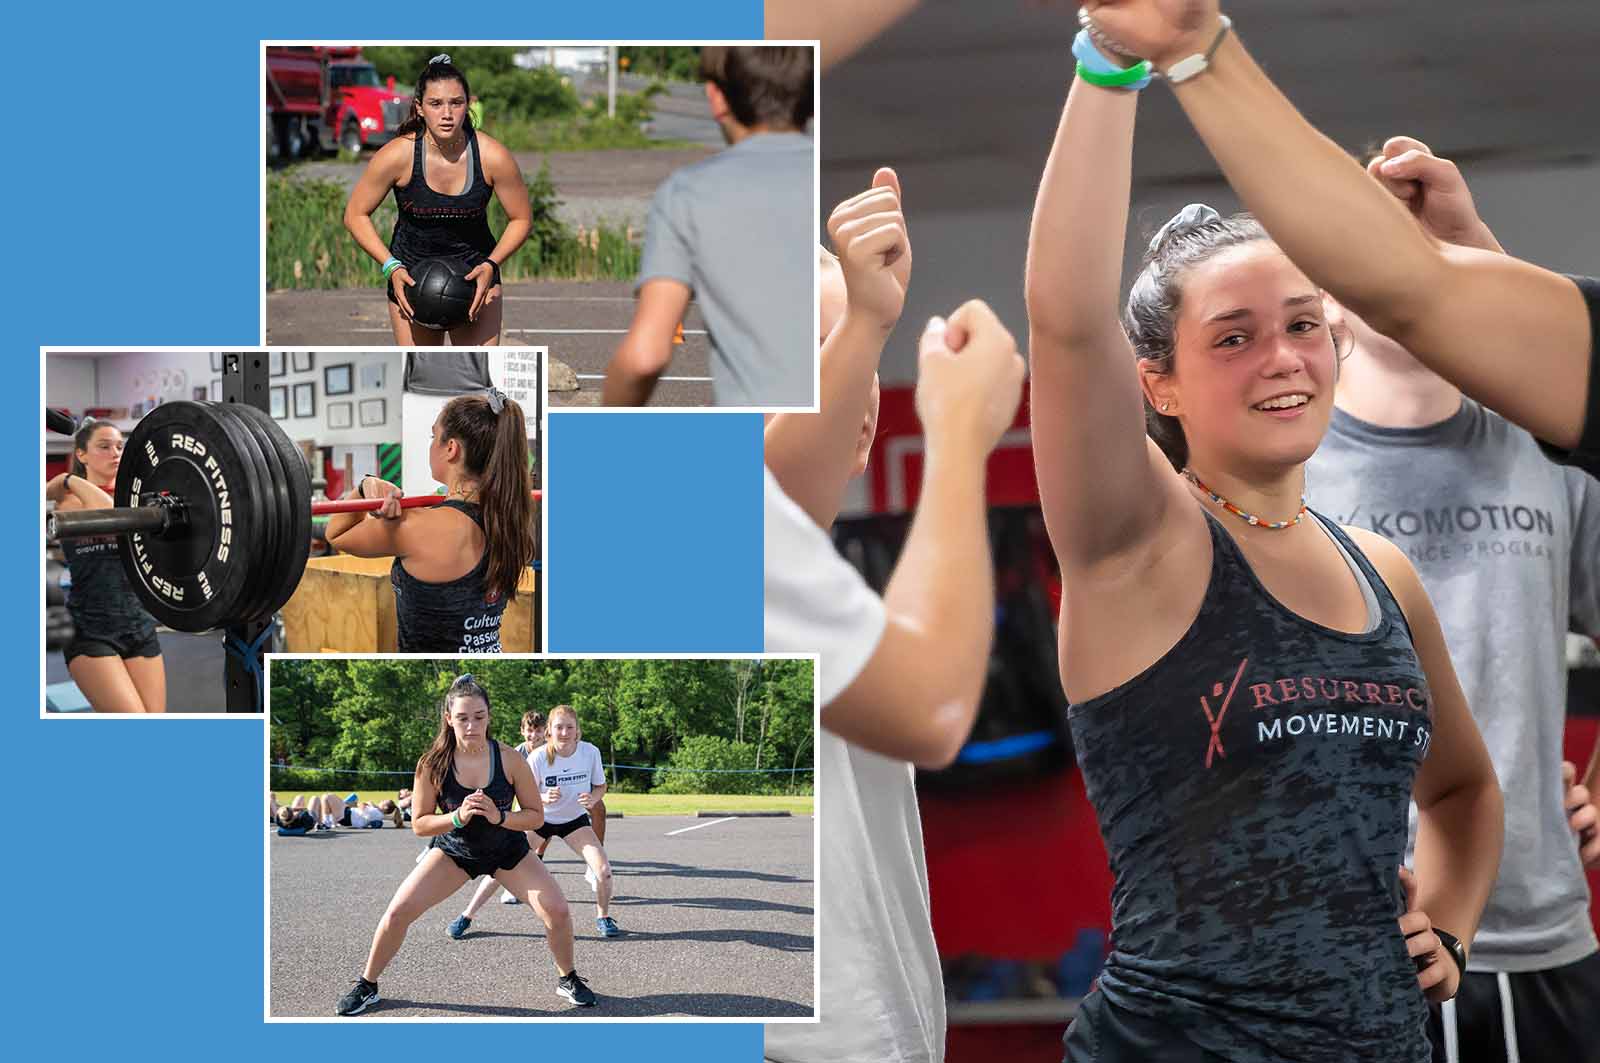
(365, 717)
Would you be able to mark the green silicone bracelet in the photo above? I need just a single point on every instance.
(1138, 72)
(455, 817)
(391, 268)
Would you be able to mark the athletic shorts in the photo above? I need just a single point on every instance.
(134, 644)
(506, 858)
(1551, 1016)
(301, 820)
(561, 830)
(1103, 1033)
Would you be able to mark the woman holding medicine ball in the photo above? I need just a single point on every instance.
(437, 149)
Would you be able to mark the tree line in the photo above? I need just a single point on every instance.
(715, 724)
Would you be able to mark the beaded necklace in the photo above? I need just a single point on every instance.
(1248, 518)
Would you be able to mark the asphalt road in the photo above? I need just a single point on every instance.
(580, 321)
(718, 921)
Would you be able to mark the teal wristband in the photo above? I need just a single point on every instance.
(390, 266)
(455, 817)
(1092, 59)
(1132, 79)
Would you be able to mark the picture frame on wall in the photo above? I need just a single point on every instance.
(374, 413)
(216, 390)
(275, 366)
(198, 393)
(340, 414)
(304, 361)
(277, 401)
(372, 376)
(305, 400)
(216, 361)
(338, 379)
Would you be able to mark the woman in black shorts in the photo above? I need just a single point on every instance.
(438, 148)
(572, 783)
(456, 564)
(114, 656)
(464, 788)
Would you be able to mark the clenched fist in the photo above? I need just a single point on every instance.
(869, 235)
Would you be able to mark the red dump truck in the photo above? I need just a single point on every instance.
(326, 99)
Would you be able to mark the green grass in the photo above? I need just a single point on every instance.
(651, 804)
(309, 247)
(574, 133)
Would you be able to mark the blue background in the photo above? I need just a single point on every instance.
(133, 876)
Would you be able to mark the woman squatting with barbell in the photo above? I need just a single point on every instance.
(115, 654)
(457, 564)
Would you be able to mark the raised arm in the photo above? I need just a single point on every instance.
(916, 697)
(843, 26)
(1510, 334)
(813, 454)
(1099, 475)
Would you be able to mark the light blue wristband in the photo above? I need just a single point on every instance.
(390, 266)
(1095, 62)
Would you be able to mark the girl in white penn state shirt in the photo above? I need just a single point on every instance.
(572, 781)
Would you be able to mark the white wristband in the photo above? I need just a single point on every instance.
(1184, 69)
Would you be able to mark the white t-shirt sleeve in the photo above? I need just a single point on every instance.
(597, 769)
(815, 602)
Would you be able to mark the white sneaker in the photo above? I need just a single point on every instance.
(588, 876)
(507, 897)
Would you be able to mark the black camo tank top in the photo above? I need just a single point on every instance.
(479, 839)
(454, 617)
(430, 224)
(1252, 789)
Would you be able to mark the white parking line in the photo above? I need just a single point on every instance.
(674, 379)
(697, 826)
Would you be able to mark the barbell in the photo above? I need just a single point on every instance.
(214, 503)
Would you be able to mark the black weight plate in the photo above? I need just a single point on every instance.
(194, 579)
(266, 482)
(297, 503)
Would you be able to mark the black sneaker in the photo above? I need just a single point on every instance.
(573, 988)
(362, 996)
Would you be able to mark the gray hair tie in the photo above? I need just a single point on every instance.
(497, 400)
(442, 57)
(1191, 217)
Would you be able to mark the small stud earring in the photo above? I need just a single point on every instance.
(1164, 406)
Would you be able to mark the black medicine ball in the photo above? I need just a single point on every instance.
(440, 297)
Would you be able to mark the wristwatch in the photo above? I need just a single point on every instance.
(1453, 946)
(1184, 69)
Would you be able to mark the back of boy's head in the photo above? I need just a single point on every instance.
(764, 85)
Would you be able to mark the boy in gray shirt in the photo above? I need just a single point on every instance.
(736, 232)
(1508, 547)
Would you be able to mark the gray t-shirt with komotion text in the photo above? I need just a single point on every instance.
(739, 230)
(1508, 546)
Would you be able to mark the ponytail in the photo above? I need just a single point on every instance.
(494, 437)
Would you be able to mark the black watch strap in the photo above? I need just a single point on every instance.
(1453, 946)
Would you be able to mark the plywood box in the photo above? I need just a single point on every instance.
(345, 604)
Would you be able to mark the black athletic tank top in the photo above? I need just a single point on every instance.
(453, 617)
(100, 600)
(430, 224)
(1252, 788)
(479, 839)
